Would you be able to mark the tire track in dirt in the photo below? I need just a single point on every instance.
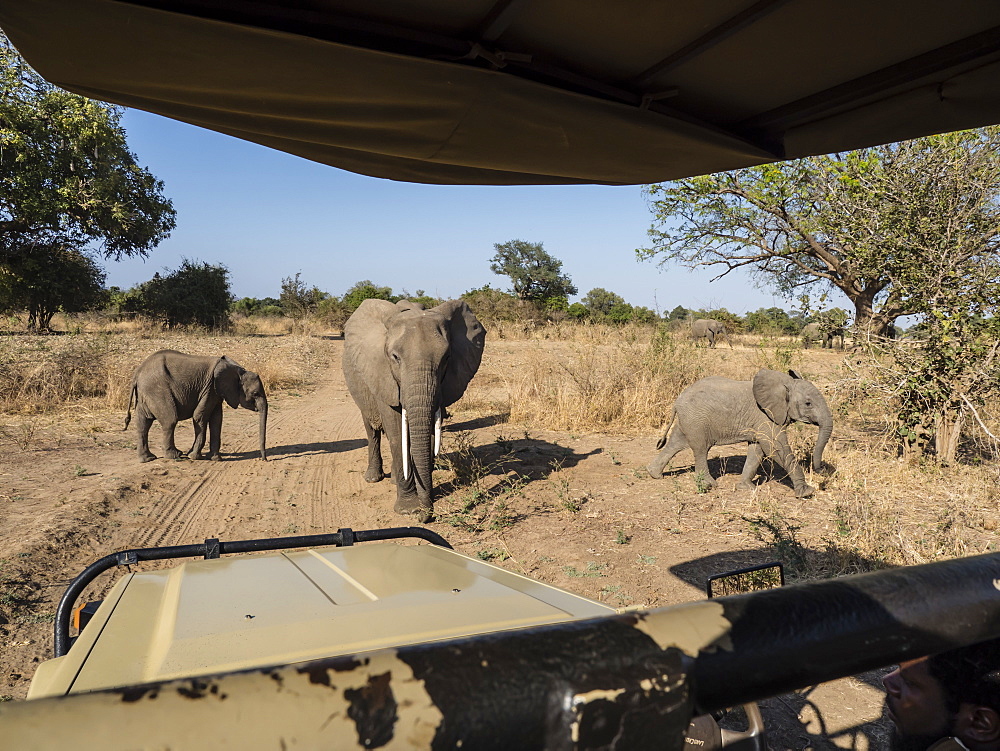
(313, 482)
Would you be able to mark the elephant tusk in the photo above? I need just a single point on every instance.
(405, 448)
(437, 432)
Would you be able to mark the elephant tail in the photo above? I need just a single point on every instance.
(133, 396)
(666, 430)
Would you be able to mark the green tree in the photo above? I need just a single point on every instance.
(771, 321)
(366, 290)
(866, 223)
(678, 314)
(196, 293)
(600, 302)
(253, 306)
(47, 279)
(534, 274)
(67, 178)
(423, 298)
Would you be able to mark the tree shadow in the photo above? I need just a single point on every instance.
(527, 459)
(487, 421)
(300, 449)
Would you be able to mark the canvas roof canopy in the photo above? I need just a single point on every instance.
(531, 92)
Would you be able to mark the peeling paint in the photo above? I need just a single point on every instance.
(692, 628)
(607, 694)
(373, 709)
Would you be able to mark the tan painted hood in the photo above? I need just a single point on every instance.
(222, 615)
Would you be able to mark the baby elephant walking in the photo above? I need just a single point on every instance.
(170, 386)
(718, 411)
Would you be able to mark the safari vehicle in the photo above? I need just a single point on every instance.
(321, 596)
(507, 92)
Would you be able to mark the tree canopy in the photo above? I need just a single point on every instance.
(534, 274)
(869, 223)
(67, 178)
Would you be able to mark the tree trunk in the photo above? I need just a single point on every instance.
(948, 434)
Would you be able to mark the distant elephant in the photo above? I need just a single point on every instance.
(709, 328)
(404, 365)
(718, 411)
(170, 386)
(818, 332)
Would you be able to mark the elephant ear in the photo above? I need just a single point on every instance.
(467, 336)
(770, 390)
(364, 348)
(226, 379)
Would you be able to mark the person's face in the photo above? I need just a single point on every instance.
(915, 703)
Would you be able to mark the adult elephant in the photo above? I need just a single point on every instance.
(718, 411)
(709, 328)
(171, 386)
(404, 365)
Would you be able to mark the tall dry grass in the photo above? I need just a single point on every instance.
(622, 379)
(42, 373)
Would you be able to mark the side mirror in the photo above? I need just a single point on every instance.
(741, 581)
(739, 728)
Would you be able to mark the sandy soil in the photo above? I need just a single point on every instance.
(583, 515)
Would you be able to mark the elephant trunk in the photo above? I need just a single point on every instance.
(262, 425)
(825, 430)
(420, 437)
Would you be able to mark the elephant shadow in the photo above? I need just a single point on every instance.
(302, 449)
(813, 717)
(769, 469)
(528, 459)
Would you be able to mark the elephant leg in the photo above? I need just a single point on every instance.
(781, 452)
(170, 449)
(700, 449)
(677, 442)
(200, 427)
(374, 473)
(407, 501)
(750, 466)
(215, 434)
(142, 426)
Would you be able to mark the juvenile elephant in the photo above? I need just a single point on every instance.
(404, 365)
(170, 386)
(718, 411)
(709, 328)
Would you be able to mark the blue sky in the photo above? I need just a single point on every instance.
(266, 215)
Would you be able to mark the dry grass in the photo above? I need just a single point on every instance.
(42, 373)
(606, 378)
